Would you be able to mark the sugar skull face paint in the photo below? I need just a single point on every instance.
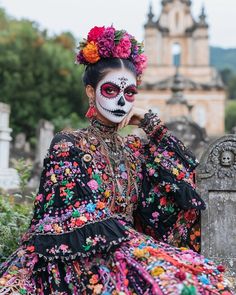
(115, 95)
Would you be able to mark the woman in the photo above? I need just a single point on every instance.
(100, 191)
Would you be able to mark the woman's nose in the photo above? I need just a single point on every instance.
(121, 101)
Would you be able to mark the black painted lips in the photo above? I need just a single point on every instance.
(118, 113)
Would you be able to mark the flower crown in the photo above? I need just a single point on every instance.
(108, 42)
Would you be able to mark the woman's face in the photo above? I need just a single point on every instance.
(115, 94)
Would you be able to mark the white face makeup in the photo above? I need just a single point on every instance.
(115, 94)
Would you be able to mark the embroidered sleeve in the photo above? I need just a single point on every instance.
(169, 164)
(70, 218)
(168, 189)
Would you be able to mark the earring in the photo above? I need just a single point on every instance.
(91, 111)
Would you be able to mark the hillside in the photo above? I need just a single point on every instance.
(223, 58)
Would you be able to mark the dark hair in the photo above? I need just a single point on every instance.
(95, 72)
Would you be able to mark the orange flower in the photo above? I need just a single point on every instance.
(101, 205)
(90, 52)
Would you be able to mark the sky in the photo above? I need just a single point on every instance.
(78, 16)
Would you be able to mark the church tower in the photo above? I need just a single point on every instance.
(176, 40)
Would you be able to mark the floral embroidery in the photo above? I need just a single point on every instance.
(82, 237)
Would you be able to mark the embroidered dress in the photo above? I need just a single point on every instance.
(108, 215)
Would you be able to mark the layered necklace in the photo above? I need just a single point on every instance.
(113, 148)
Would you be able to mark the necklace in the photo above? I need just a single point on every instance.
(112, 147)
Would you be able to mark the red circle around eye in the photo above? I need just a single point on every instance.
(109, 90)
(130, 93)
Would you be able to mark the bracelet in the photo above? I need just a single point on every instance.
(149, 122)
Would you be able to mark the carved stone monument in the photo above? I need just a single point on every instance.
(8, 176)
(216, 180)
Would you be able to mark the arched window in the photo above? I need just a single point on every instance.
(176, 54)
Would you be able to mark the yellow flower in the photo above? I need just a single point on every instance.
(53, 178)
(67, 171)
(107, 194)
(140, 252)
(180, 166)
(156, 271)
(183, 249)
(133, 166)
(157, 160)
(175, 171)
(92, 147)
(90, 52)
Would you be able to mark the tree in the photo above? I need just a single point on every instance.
(230, 115)
(38, 76)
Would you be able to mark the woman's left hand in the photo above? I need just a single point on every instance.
(133, 118)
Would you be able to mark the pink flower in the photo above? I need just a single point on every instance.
(47, 227)
(39, 198)
(151, 171)
(123, 49)
(140, 62)
(63, 248)
(155, 215)
(93, 184)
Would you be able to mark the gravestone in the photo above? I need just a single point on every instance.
(21, 143)
(8, 176)
(45, 133)
(216, 181)
(192, 135)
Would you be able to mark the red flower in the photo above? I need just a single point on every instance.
(180, 275)
(190, 215)
(30, 248)
(79, 222)
(168, 187)
(163, 201)
(70, 185)
(77, 204)
(95, 33)
(221, 268)
(181, 175)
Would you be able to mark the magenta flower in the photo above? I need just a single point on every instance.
(80, 58)
(106, 42)
(123, 49)
(93, 184)
(140, 63)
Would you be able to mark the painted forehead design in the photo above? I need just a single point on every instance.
(121, 82)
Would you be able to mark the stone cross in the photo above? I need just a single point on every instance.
(216, 181)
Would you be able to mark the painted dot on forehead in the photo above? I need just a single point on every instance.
(123, 82)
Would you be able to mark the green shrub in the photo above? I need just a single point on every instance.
(14, 221)
(230, 115)
(15, 213)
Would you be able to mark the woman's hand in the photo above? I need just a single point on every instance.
(133, 118)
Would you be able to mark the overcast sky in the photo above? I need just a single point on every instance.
(78, 16)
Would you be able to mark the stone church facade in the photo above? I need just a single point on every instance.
(200, 84)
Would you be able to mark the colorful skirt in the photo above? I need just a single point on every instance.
(137, 266)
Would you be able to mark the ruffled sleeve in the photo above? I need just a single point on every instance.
(168, 192)
(70, 217)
